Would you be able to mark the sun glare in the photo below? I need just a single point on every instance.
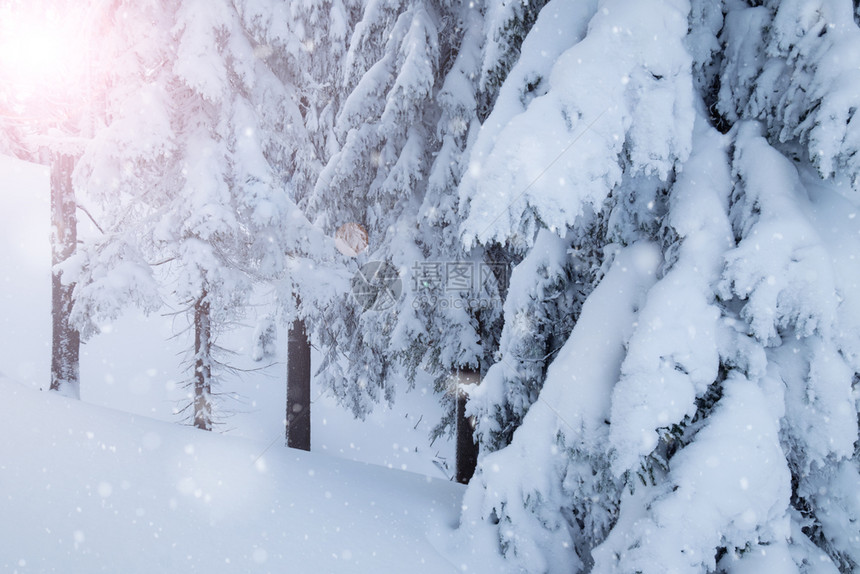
(39, 52)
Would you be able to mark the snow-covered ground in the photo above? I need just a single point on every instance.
(87, 489)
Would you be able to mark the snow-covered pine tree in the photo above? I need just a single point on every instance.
(191, 173)
(350, 189)
(402, 131)
(303, 43)
(540, 315)
(492, 34)
(451, 320)
(38, 126)
(505, 27)
(571, 147)
(390, 132)
(702, 415)
(65, 337)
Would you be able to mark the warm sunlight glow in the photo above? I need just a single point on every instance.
(41, 53)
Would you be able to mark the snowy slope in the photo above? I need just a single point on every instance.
(85, 489)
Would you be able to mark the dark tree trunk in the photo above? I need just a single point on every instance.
(66, 340)
(298, 387)
(202, 364)
(467, 448)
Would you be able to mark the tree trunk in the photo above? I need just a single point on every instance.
(298, 387)
(202, 364)
(66, 340)
(467, 448)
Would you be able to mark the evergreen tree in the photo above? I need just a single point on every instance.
(701, 416)
(452, 327)
(377, 177)
(197, 150)
(402, 131)
(40, 127)
(65, 339)
(298, 414)
(303, 45)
